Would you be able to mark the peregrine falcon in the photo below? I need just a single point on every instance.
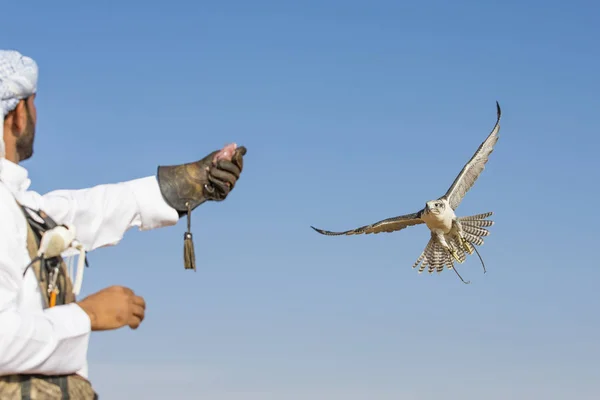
(451, 236)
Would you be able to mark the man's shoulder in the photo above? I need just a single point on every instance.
(6, 196)
(9, 208)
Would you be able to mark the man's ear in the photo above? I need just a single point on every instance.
(19, 118)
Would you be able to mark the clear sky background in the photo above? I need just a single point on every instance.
(352, 111)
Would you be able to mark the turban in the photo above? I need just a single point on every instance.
(18, 80)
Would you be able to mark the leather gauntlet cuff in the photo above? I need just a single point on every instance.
(184, 186)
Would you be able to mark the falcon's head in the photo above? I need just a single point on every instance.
(435, 207)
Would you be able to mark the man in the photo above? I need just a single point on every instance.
(44, 338)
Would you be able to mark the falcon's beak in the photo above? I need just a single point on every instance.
(426, 207)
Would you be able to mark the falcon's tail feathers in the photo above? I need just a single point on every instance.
(473, 231)
(435, 257)
(473, 227)
(476, 217)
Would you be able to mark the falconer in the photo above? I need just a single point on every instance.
(44, 330)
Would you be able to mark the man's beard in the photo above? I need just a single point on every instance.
(26, 139)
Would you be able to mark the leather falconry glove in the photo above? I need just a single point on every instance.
(184, 187)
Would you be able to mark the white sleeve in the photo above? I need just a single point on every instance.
(102, 214)
(51, 341)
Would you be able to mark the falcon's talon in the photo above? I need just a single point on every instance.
(466, 245)
(454, 254)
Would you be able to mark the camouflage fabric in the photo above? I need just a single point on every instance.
(43, 387)
(40, 387)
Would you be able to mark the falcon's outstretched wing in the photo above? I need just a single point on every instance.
(387, 225)
(471, 171)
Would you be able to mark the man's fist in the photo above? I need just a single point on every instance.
(225, 170)
(114, 308)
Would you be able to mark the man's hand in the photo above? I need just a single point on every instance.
(224, 171)
(114, 308)
(186, 186)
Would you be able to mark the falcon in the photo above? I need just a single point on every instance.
(451, 236)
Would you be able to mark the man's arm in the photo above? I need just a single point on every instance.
(52, 341)
(102, 214)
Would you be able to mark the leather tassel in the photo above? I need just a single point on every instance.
(189, 255)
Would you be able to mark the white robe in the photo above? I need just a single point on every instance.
(55, 340)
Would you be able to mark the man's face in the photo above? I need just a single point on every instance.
(26, 138)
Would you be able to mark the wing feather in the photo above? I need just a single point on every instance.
(471, 171)
(386, 225)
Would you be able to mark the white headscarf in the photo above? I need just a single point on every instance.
(18, 80)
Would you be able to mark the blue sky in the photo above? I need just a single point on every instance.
(351, 112)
